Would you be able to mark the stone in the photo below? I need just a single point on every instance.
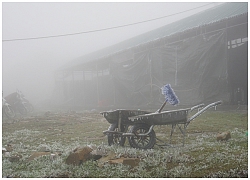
(92, 146)
(126, 161)
(4, 150)
(73, 159)
(83, 152)
(38, 154)
(111, 155)
(96, 157)
(99, 151)
(7, 154)
(223, 136)
(131, 161)
(116, 161)
(15, 158)
(58, 153)
(43, 149)
(79, 156)
(96, 154)
(53, 156)
(74, 150)
(9, 147)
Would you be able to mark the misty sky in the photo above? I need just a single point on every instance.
(28, 65)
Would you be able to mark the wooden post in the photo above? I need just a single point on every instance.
(97, 86)
(83, 80)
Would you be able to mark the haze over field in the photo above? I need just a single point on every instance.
(38, 38)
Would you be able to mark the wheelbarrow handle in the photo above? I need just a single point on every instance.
(196, 107)
(204, 109)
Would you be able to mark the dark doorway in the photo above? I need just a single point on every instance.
(238, 72)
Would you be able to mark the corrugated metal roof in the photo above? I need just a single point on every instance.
(218, 13)
(223, 11)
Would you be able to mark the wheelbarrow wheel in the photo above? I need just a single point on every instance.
(116, 138)
(9, 112)
(142, 142)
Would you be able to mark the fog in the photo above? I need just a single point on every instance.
(29, 64)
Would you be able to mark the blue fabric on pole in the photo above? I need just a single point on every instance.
(169, 94)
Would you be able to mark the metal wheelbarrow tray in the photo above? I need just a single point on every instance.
(163, 118)
(141, 134)
(113, 116)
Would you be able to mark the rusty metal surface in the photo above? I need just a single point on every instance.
(163, 118)
(138, 116)
(113, 116)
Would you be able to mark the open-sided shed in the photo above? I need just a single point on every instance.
(204, 57)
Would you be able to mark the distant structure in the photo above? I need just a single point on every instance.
(204, 57)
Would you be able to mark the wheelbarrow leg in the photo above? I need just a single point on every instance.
(172, 131)
(183, 133)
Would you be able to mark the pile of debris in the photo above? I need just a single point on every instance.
(83, 154)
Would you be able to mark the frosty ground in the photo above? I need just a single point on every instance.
(63, 131)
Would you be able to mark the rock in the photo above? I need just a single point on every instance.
(116, 161)
(95, 154)
(111, 155)
(223, 136)
(53, 156)
(73, 159)
(96, 157)
(38, 154)
(43, 149)
(131, 161)
(76, 149)
(104, 159)
(79, 156)
(98, 152)
(15, 158)
(4, 150)
(84, 153)
(126, 161)
(7, 154)
(9, 148)
(92, 146)
(58, 153)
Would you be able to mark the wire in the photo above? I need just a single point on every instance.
(104, 29)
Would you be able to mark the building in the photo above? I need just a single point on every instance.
(204, 57)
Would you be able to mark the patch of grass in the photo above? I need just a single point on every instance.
(202, 155)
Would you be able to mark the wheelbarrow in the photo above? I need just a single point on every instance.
(137, 125)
